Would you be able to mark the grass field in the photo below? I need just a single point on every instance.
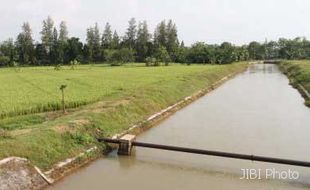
(113, 99)
(299, 73)
(36, 89)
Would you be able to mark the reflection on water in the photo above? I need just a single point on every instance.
(255, 113)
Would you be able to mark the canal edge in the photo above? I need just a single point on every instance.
(292, 81)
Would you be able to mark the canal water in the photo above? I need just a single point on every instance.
(257, 112)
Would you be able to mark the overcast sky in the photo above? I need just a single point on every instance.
(212, 21)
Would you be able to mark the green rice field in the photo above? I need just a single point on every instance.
(36, 89)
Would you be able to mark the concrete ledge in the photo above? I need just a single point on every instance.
(18, 173)
(66, 166)
(307, 94)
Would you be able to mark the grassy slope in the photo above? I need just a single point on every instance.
(127, 95)
(298, 73)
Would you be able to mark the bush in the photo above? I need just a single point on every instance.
(125, 55)
(4, 61)
(162, 55)
(57, 67)
(150, 61)
(116, 63)
(119, 57)
(82, 138)
(74, 64)
(157, 63)
(16, 66)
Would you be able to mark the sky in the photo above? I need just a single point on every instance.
(210, 21)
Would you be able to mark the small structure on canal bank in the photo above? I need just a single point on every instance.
(125, 145)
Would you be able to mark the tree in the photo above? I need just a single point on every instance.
(143, 39)
(115, 41)
(172, 39)
(182, 54)
(160, 35)
(62, 40)
(162, 55)
(97, 48)
(256, 51)
(198, 53)
(118, 57)
(63, 32)
(4, 61)
(292, 49)
(130, 36)
(106, 41)
(47, 34)
(271, 50)
(90, 43)
(241, 53)
(226, 53)
(41, 54)
(8, 50)
(93, 43)
(137, 45)
(73, 50)
(24, 45)
(55, 54)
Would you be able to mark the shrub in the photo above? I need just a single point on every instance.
(150, 61)
(119, 57)
(82, 138)
(57, 67)
(116, 63)
(4, 61)
(73, 64)
(157, 63)
(162, 55)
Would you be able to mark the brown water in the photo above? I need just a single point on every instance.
(257, 113)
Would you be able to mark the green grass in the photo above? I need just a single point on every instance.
(20, 122)
(121, 97)
(298, 73)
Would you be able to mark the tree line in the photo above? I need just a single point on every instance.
(136, 45)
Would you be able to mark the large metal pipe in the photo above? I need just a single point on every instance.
(213, 153)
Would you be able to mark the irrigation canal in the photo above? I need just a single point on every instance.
(255, 113)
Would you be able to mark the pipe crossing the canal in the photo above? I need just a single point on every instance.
(127, 142)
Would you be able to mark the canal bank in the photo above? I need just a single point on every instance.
(248, 114)
(299, 74)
